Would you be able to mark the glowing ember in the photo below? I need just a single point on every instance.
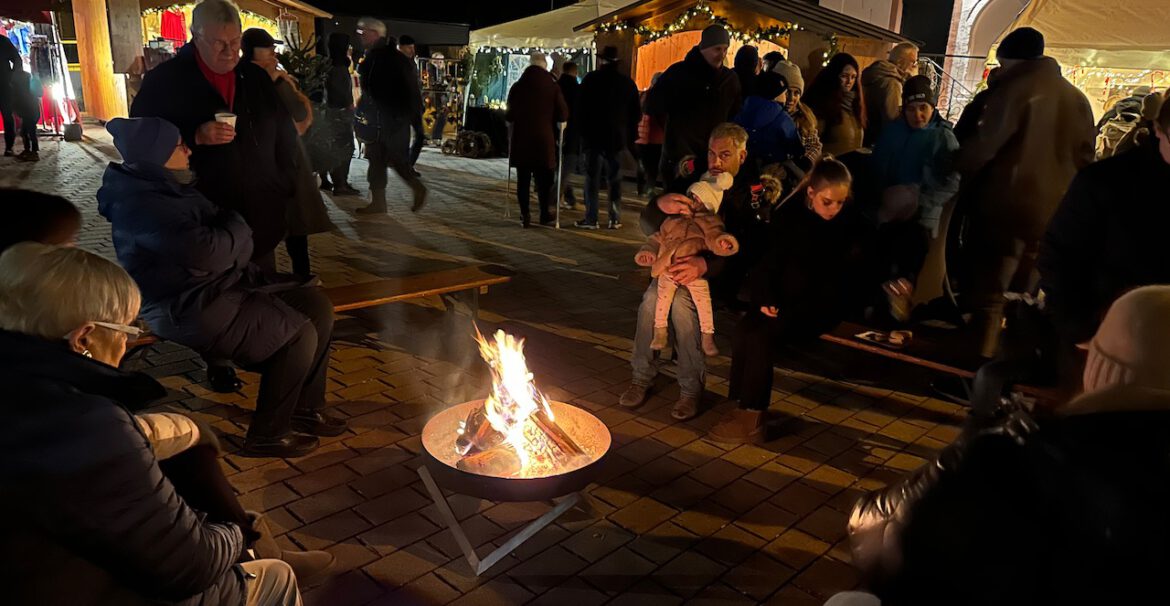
(514, 434)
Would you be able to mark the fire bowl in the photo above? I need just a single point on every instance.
(440, 433)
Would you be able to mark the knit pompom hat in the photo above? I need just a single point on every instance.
(791, 73)
(1132, 345)
(709, 190)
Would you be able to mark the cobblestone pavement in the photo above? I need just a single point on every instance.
(683, 519)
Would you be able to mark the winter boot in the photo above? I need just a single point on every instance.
(660, 338)
(308, 566)
(739, 427)
(634, 396)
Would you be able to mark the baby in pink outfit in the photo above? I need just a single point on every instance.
(684, 236)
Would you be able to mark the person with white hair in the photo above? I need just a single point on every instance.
(84, 501)
(535, 106)
(1068, 509)
(390, 100)
(881, 84)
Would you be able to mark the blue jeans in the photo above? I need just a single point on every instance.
(613, 171)
(684, 321)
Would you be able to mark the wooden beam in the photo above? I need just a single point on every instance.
(125, 34)
(102, 93)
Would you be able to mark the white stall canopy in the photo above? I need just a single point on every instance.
(551, 30)
(1131, 34)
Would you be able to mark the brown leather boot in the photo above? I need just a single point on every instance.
(634, 396)
(308, 566)
(739, 427)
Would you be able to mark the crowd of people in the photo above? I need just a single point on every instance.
(790, 209)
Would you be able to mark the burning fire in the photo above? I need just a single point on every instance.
(515, 433)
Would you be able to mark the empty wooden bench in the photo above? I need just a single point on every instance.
(460, 285)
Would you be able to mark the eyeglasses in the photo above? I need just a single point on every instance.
(223, 45)
(131, 331)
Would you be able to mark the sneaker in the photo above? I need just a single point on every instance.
(28, 156)
(615, 225)
(585, 225)
(634, 396)
(567, 205)
(8, 153)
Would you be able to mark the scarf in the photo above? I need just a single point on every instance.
(224, 84)
(847, 102)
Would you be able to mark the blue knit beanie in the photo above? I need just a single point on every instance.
(144, 140)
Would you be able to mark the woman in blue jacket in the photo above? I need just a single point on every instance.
(191, 259)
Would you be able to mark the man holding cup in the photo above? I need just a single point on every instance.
(242, 139)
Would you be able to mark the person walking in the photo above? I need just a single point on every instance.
(390, 99)
(1034, 134)
(191, 257)
(571, 152)
(338, 120)
(693, 97)
(9, 63)
(882, 82)
(26, 100)
(418, 137)
(839, 104)
(610, 113)
(535, 107)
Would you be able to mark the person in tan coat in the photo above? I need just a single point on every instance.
(1035, 133)
(682, 236)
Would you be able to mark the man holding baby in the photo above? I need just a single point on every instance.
(743, 210)
(242, 139)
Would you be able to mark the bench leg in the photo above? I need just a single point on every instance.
(468, 300)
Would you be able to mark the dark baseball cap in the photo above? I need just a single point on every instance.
(257, 38)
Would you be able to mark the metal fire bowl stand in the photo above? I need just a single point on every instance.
(439, 469)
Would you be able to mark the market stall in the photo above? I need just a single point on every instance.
(1106, 49)
(655, 34)
(37, 40)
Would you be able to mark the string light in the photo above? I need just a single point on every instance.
(834, 48)
(704, 12)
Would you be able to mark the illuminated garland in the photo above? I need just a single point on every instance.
(700, 11)
(565, 51)
(834, 48)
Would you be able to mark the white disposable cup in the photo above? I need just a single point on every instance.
(226, 118)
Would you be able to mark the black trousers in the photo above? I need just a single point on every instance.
(9, 118)
(417, 139)
(758, 339)
(544, 190)
(391, 153)
(298, 251)
(649, 161)
(28, 134)
(340, 175)
(197, 477)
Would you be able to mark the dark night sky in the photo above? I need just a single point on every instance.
(477, 13)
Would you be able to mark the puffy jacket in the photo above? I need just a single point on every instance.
(255, 174)
(1067, 512)
(692, 98)
(772, 134)
(924, 157)
(189, 257)
(1034, 134)
(881, 84)
(88, 517)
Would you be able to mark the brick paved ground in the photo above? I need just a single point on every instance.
(685, 520)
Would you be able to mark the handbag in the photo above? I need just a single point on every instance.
(367, 120)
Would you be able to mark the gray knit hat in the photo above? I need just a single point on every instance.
(714, 35)
(791, 73)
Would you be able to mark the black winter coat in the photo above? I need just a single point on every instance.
(1097, 247)
(190, 259)
(1071, 513)
(88, 517)
(609, 110)
(692, 98)
(255, 174)
(813, 268)
(571, 91)
(389, 78)
(535, 106)
(339, 87)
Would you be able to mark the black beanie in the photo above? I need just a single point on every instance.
(770, 85)
(918, 88)
(714, 35)
(1023, 43)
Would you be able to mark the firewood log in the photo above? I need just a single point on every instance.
(478, 433)
(500, 462)
(554, 432)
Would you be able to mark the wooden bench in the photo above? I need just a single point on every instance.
(929, 349)
(462, 285)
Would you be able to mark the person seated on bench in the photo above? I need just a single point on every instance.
(744, 211)
(37, 217)
(191, 260)
(90, 517)
(800, 289)
(1068, 509)
(913, 165)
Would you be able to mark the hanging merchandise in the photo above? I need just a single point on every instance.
(290, 29)
(173, 26)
